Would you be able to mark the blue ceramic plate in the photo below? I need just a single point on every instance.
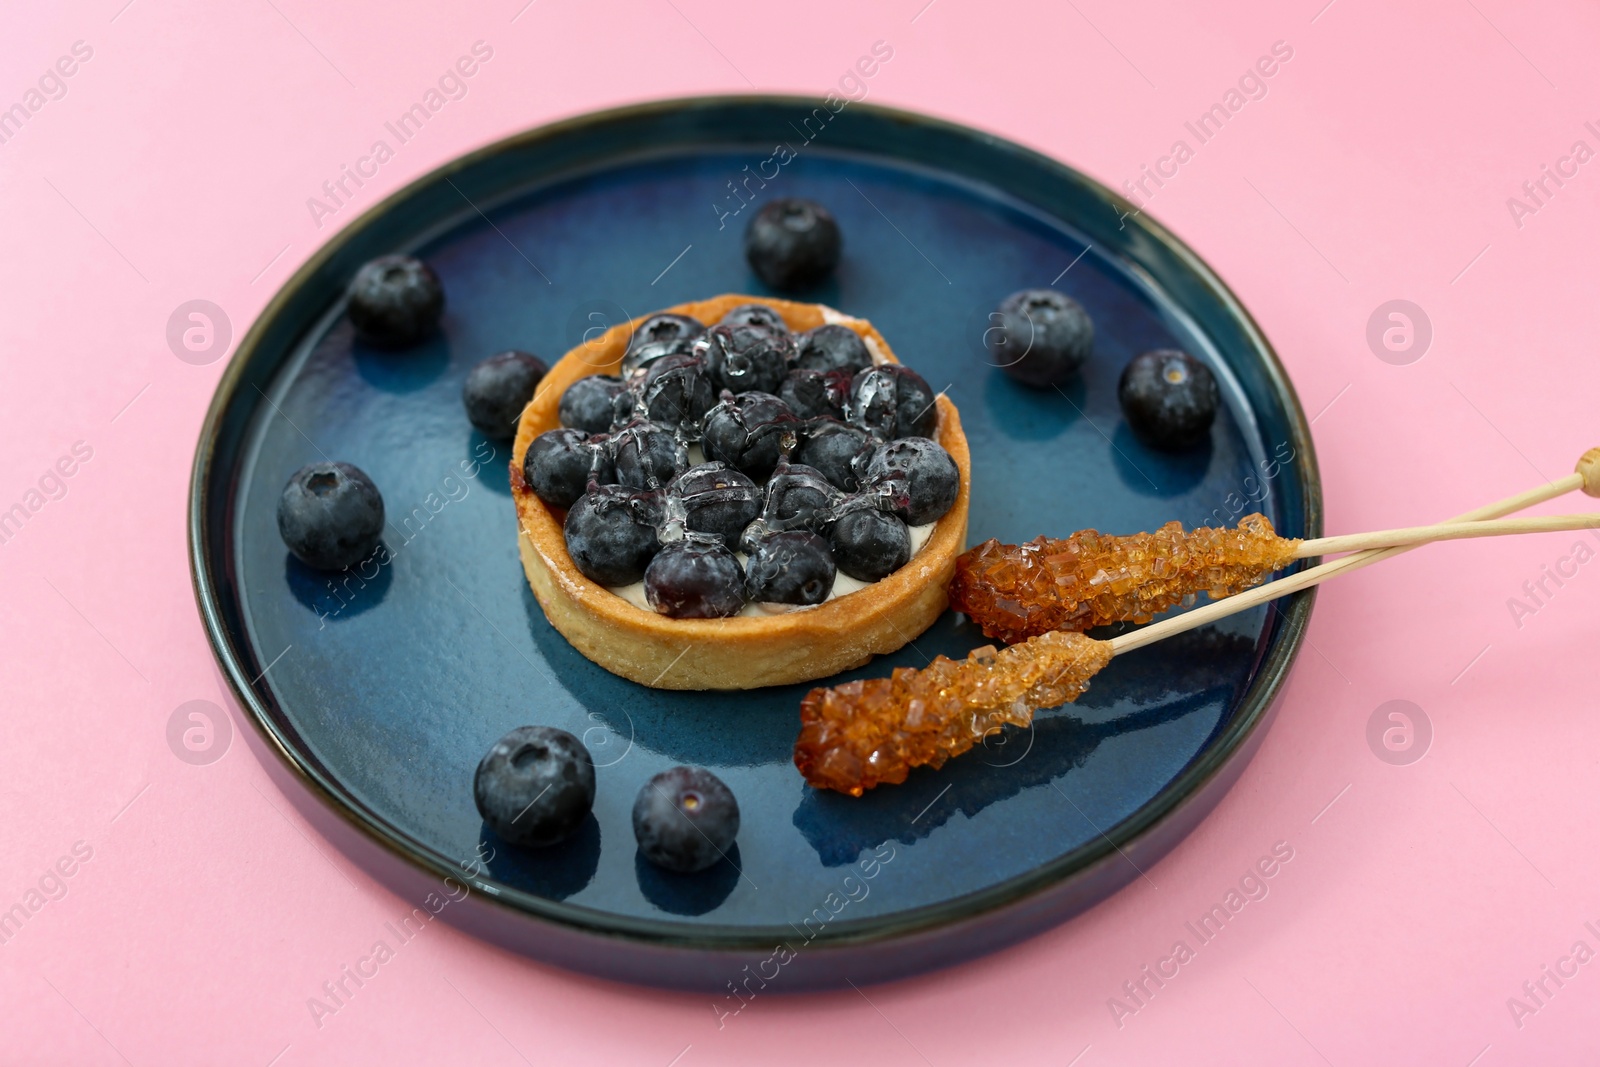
(376, 696)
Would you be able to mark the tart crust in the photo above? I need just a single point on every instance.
(742, 652)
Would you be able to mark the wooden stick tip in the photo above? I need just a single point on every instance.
(1589, 467)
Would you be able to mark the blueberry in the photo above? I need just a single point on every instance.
(559, 464)
(1169, 398)
(330, 515)
(535, 786)
(685, 819)
(1042, 338)
(748, 432)
(587, 403)
(892, 401)
(814, 394)
(694, 579)
(930, 476)
(832, 347)
(395, 301)
(755, 315)
(794, 567)
(746, 357)
(792, 243)
(497, 390)
(838, 450)
(799, 498)
(662, 334)
(647, 456)
(716, 499)
(869, 544)
(677, 391)
(611, 534)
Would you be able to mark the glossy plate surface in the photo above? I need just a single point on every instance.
(381, 694)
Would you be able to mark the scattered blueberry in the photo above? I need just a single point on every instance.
(794, 567)
(798, 498)
(792, 243)
(837, 449)
(755, 315)
(747, 432)
(869, 544)
(1043, 337)
(559, 464)
(535, 786)
(832, 346)
(677, 391)
(814, 394)
(716, 499)
(395, 301)
(1169, 398)
(497, 390)
(587, 403)
(694, 579)
(893, 401)
(932, 480)
(611, 534)
(662, 334)
(685, 819)
(330, 515)
(647, 456)
(746, 357)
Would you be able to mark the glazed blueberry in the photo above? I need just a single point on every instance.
(869, 544)
(677, 391)
(832, 347)
(535, 786)
(611, 534)
(647, 456)
(662, 334)
(1169, 398)
(748, 432)
(794, 567)
(814, 394)
(685, 819)
(330, 515)
(498, 389)
(587, 403)
(693, 579)
(559, 464)
(745, 358)
(1042, 338)
(838, 450)
(798, 498)
(755, 315)
(395, 301)
(716, 499)
(792, 243)
(892, 401)
(930, 475)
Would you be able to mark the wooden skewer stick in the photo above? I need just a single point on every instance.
(1585, 477)
(1446, 531)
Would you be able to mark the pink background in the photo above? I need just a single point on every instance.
(177, 167)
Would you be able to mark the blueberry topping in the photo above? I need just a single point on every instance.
(535, 786)
(743, 358)
(611, 534)
(559, 464)
(716, 499)
(838, 450)
(892, 401)
(497, 390)
(832, 347)
(677, 391)
(685, 819)
(694, 579)
(792, 243)
(662, 334)
(755, 315)
(395, 301)
(1169, 398)
(930, 476)
(869, 544)
(794, 567)
(587, 403)
(647, 456)
(749, 432)
(814, 394)
(330, 515)
(799, 498)
(1042, 338)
